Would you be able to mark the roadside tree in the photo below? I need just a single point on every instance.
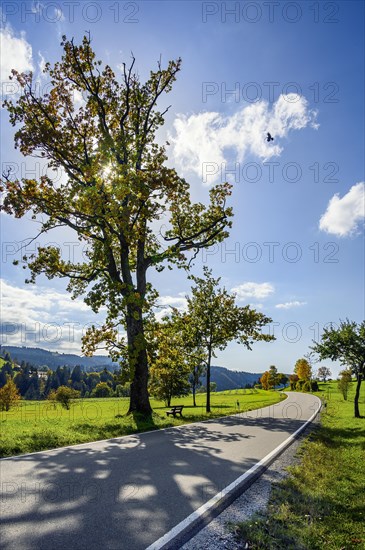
(274, 376)
(347, 345)
(345, 383)
(216, 320)
(293, 379)
(324, 373)
(265, 380)
(169, 371)
(303, 369)
(190, 346)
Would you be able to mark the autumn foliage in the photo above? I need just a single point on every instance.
(115, 187)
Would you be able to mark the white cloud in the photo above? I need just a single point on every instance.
(45, 317)
(37, 7)
(78, 98)
(164, 302)
(41, 63)
(253, 290)
(17, 53)
(205, 137)
(59, 14)
(175, 301)
(289, 305)
(344, 216)
(36, 303)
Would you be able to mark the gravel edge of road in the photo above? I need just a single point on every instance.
(217, 535)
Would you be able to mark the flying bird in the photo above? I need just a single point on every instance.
(269, 137)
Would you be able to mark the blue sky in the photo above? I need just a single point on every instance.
(296, 69)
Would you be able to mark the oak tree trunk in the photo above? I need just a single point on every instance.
(139, 398)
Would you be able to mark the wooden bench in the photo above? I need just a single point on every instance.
(176, 409)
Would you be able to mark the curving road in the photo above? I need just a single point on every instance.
(126, 493)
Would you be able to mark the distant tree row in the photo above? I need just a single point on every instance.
(170, 377)
(33, 383)
(346, 344)
(301, 379)
(272, 378)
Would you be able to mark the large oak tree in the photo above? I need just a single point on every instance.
(115, 187)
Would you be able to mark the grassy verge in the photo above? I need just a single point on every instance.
(322, 502)
(38, 425)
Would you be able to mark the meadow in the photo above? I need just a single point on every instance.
(322, 502)
(39, 425)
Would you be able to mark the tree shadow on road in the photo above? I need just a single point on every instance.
(128, 491)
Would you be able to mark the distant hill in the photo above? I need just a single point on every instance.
(231, 379)
(40, 357)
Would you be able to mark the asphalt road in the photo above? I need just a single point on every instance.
(127, 492)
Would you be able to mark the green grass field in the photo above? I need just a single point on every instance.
(38, 425)
(322, 503)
